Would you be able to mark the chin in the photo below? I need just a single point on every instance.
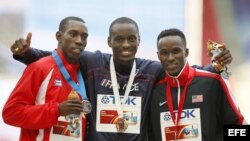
(127, 59)
(172, 73)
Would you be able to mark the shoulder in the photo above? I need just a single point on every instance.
(37, 71)
(150, 65)
(204, 73)
(93, 59)
(150, 68)
(96, 53)
(208, 77)
(44, 64)
(88, 56)
(159, 90)
(209, 68)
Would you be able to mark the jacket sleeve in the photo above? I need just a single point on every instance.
(31, 55)
(21, 110)
(154, 127)
(229, 107)
(150, 126)
(209, 68)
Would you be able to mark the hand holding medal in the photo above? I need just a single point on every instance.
(86, 106)
(73, 96)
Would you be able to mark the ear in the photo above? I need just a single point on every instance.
(158, 54)
(139, 40)
(186, 52)
(59, 36)
(109, 41)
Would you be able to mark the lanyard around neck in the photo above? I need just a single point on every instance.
(115, 86)
(80, 88)
(180, 102)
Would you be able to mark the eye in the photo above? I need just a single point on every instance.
(73, 33)
(118, 39)
(163, 53)
(84, 36)
(176, 51)
(132, 39)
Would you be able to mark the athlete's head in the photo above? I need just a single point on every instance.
(124, 40)
(72, 37)
(172, 51)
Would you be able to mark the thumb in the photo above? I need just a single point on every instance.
(26, 45)
(28, 39)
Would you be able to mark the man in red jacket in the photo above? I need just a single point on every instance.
(39, 104)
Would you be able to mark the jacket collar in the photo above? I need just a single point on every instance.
(183, 76)
(69, 67)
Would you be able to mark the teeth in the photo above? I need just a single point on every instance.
(125, 52)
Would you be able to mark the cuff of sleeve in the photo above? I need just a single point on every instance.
(55, 111)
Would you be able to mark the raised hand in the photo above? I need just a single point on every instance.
(225, 57)
(21, 45)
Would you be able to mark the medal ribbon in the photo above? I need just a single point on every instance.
(115, 86)
(180, 103)
(80, 88)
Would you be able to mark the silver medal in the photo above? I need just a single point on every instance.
(86, 107)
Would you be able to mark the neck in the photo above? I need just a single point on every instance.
(122, 68)
(179, 73)
(69, 59)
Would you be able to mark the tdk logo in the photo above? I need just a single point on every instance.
(167, 117)
(110, 99)
(185, 114)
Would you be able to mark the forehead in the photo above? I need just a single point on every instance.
(124, 28)
(76, 25)
(170, 40)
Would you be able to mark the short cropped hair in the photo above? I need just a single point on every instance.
(122, 20)
(172, 32)
(64, 22)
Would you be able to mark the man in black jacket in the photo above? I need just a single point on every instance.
(188, 103)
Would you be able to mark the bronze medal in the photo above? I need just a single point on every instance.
(121, 125)
(86, 107)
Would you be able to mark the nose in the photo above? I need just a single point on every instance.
(126, 44)
(79, 41)
(170, 57)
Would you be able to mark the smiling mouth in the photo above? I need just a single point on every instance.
(126, 53)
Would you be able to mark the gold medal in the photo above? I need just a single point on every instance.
(121, 125)
(73, 95)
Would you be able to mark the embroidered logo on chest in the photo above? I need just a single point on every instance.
(197, 98)
(58, 82)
